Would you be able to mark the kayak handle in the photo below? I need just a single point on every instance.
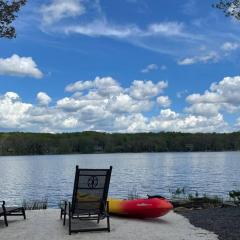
(155, 196)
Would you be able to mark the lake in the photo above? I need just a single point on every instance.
(37, 177)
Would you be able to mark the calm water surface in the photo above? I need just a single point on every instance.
(36, 177)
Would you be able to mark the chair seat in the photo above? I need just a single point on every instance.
(82, 211)
(11, 211)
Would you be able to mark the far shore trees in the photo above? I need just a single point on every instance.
(99, 142)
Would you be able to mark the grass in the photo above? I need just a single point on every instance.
(35, 204)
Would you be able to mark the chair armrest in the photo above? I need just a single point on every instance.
(3, 206)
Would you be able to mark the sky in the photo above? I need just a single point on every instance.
(121, 66)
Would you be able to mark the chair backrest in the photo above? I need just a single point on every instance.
(90, 190)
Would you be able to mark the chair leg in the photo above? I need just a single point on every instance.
(64, 218)
(24, 213)
(61, 213)
(5, 220)
(108, 221)
(98, 220)
(70, 219)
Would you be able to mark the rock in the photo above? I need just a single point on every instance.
(181, 209)
(229, 204)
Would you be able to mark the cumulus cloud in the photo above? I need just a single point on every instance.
(124, 103)
(126, 110)
(19, 66)
(60, 9)
(169, 120)
(12, 111)
(163, 101)
(104, 86)
(146, 89)
(204, 109)
(222, 96)
(43, 98)
(168, 114)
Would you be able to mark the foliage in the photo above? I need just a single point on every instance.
(235, 195)
(132, 194)
(35, 204)
(8, 10)
(229, 7)
(95, 142)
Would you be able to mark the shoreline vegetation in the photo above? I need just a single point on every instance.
(181, 199)
(20, 143)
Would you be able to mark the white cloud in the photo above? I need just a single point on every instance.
(149, 68)
(210, 57)
(102, 28)
(222, 96)
(166, 28)
(204, 109)
(19, 66)
(60, 9)
(104, 86)
(168, 114)
(128, 110)
(152, 67)
(123, 103)
(180, 94)
(175, 38)
(146, 89)
(163, 101)
(43, 98)
(70, 122)
(13, 111)
(131, 123)
(170, 121)
(230, 46)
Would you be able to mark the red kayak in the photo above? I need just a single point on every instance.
(140, 208)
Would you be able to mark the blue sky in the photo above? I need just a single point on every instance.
(121, 66)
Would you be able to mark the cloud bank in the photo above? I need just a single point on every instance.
(102, 104)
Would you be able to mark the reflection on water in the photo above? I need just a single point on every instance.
(36, 177)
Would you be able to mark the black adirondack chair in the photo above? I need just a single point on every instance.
(11, 211)
(89, 199)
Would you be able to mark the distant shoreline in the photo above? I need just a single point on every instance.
(20, 144)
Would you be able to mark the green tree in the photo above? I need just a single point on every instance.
(229, 7)
(8, 11)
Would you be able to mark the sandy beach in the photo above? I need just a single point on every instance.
(46, 224)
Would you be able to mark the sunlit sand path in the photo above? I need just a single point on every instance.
(46, 225)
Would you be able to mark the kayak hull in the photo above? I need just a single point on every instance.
(140, 208)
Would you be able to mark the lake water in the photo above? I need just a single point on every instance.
(37, 177)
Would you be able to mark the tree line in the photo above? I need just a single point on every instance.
(17, 143)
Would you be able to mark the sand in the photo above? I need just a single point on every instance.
(46, 224)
